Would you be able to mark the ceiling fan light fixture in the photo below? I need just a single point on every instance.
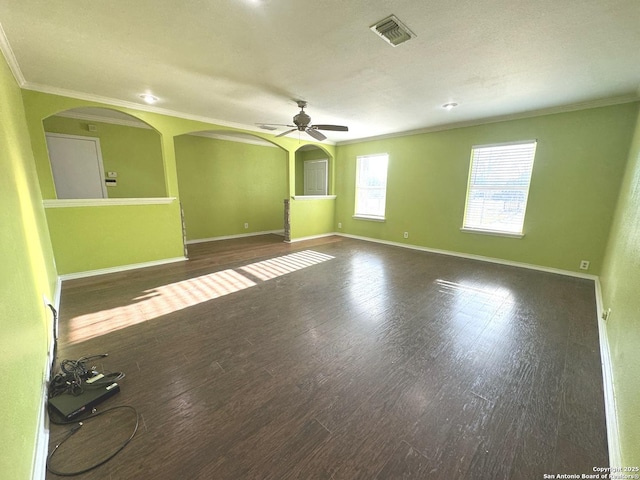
(148, 98)
(302, 123)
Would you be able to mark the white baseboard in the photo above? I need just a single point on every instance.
(611, 415)
(610, 408)
(473, 257)
(230, 237)
(39, 470)
(121, 268)
(42, 439)
(302, 239)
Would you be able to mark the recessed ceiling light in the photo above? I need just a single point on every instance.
(147, 97)
(449, 106)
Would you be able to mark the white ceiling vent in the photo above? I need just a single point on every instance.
(392, 31)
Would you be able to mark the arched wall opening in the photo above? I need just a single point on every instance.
(231, 184)
(97, 152)
(313, 171)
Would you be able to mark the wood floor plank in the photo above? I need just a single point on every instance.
(253, 360)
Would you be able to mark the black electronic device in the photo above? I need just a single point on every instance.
(70, 406)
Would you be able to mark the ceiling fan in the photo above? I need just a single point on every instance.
(301, 123)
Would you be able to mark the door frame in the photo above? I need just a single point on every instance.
(98, 149)
(326, 174)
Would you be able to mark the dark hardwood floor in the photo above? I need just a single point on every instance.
(337, 359)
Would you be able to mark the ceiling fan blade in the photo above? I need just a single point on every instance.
(274, 125)
(335, 128)
(315, 134)
(286, 133)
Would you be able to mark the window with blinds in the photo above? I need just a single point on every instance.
(498, 187)
(371, 186)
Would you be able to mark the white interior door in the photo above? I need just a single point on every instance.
(315, 177)
(76, 164)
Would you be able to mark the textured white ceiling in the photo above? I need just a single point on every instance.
(245, 61)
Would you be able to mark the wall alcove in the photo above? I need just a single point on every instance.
(103, 153)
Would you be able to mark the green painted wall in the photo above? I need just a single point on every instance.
(93, 238)
(620, 282)
(578, 169)
(580, 165)
(225, 184)
(312, 217)
(28, 273)
(315, 154)
(134, 153)
(39, 106)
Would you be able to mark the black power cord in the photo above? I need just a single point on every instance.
(77, 427)
(55, 340)
(75, 376)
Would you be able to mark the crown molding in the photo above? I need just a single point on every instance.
(104, 119)
(140, 124)
(603, 102)
(132, 105)
(5, 47)
(113, 102)
(10, 57)
(234, 138)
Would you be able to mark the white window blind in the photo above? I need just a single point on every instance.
(371, 185)
(498, 187)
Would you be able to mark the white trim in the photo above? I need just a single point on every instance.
(610, 407)
(603, 102)
(230, 237)
(504, 144)
(104, 202)
(305, 170)
(314, 197)
(39, 469)
(10, 57)
(134, 122)
(143, 107)
(371, 219)
(121, 268)
(234, 138)
(312, 237)
(482, 258)
(83, 138)
(491, 232)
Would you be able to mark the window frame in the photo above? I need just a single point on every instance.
(367, 215)
(484, 229)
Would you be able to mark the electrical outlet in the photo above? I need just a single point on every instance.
(406, 235)
(584, 265)
(606, 314)
(339, 224)
(246, 225)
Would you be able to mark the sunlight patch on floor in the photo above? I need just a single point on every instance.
(177, 296)
(276, 267)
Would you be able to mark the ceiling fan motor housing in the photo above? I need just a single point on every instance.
(302, 120)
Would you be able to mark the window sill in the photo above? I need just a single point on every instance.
(492, 232)
(369, 218)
